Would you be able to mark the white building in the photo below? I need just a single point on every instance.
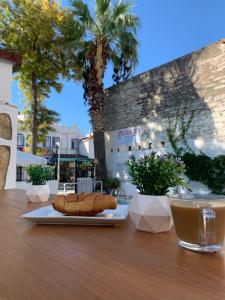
(66, 144)
(8, 114)
(86, 146)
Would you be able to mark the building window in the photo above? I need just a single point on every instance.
(55, 141)
(74, 143)
(47, 143)
(20, 140)
(21, 174)
(18, 173)
(162, 144)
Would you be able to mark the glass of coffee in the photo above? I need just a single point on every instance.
(199, 221)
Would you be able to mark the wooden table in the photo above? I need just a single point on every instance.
(71, 262)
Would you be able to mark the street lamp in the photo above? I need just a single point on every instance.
(58, 158)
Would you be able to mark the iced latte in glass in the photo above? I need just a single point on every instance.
(199, 221)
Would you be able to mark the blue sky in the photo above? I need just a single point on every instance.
(169, 29)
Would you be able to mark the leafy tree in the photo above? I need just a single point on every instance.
(108, 36)
(32, 28)
(46, 119)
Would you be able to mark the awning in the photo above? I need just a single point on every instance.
(70, 159)
(25, 159)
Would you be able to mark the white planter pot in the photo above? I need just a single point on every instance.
(38, 193)
(53, 186)
(151, 213)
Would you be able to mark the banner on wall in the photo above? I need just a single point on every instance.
(128, 136)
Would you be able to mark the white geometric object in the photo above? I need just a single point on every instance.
(151, 213)
(38, 193)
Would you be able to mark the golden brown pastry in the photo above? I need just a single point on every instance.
(84, 204)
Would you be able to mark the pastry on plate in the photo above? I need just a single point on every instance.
(84, 204)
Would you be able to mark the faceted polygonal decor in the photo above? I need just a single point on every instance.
(5, 126)
(38, 193)
(151, 213)
(4, 163)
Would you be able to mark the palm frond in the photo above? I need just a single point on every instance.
(82, 12)
(121, 19)
(109, 35)
(128, 22)
(73, 34)
(121, 8)
(128, 45)
(124, 56)
(102, 7)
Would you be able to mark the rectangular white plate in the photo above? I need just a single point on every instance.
(48, 215)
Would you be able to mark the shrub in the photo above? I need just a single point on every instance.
(86, 166)
(154, 174)
(111, 183)
(210, 171)
(38, 175)
(197, 166)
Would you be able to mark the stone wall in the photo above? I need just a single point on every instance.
(138, 112)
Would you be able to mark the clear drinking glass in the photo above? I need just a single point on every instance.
(199, 221)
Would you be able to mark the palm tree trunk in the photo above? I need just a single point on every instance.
(99, 144)
(94, 91)
(97, 60)
(34, 115)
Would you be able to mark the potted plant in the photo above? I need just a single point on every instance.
(38, 191)
(153, 175)
(110, 184)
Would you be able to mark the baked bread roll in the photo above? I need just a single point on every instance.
(84, 204)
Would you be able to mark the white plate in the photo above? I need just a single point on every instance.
(48, 215)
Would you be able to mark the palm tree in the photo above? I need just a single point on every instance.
(109, 35)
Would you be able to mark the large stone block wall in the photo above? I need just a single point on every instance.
(139, 111)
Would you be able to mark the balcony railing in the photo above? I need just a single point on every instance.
(55, 150)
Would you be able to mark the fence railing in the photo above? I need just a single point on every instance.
(82, 185)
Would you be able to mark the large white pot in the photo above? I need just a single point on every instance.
(151, 213)
(53, 186)
(38, 193)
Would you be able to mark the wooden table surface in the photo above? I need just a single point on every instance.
(78, 262)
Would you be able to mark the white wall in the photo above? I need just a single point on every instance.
(11, 110)
(134, 136)
(66, 134)
(86, 147)
(5, 80)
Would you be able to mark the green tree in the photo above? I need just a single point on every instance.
(46, 119)
(108, 36)
(32, 29)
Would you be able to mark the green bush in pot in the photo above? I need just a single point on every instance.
(39, 191)
(38, 174)
(155, 174)
(111, 183)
